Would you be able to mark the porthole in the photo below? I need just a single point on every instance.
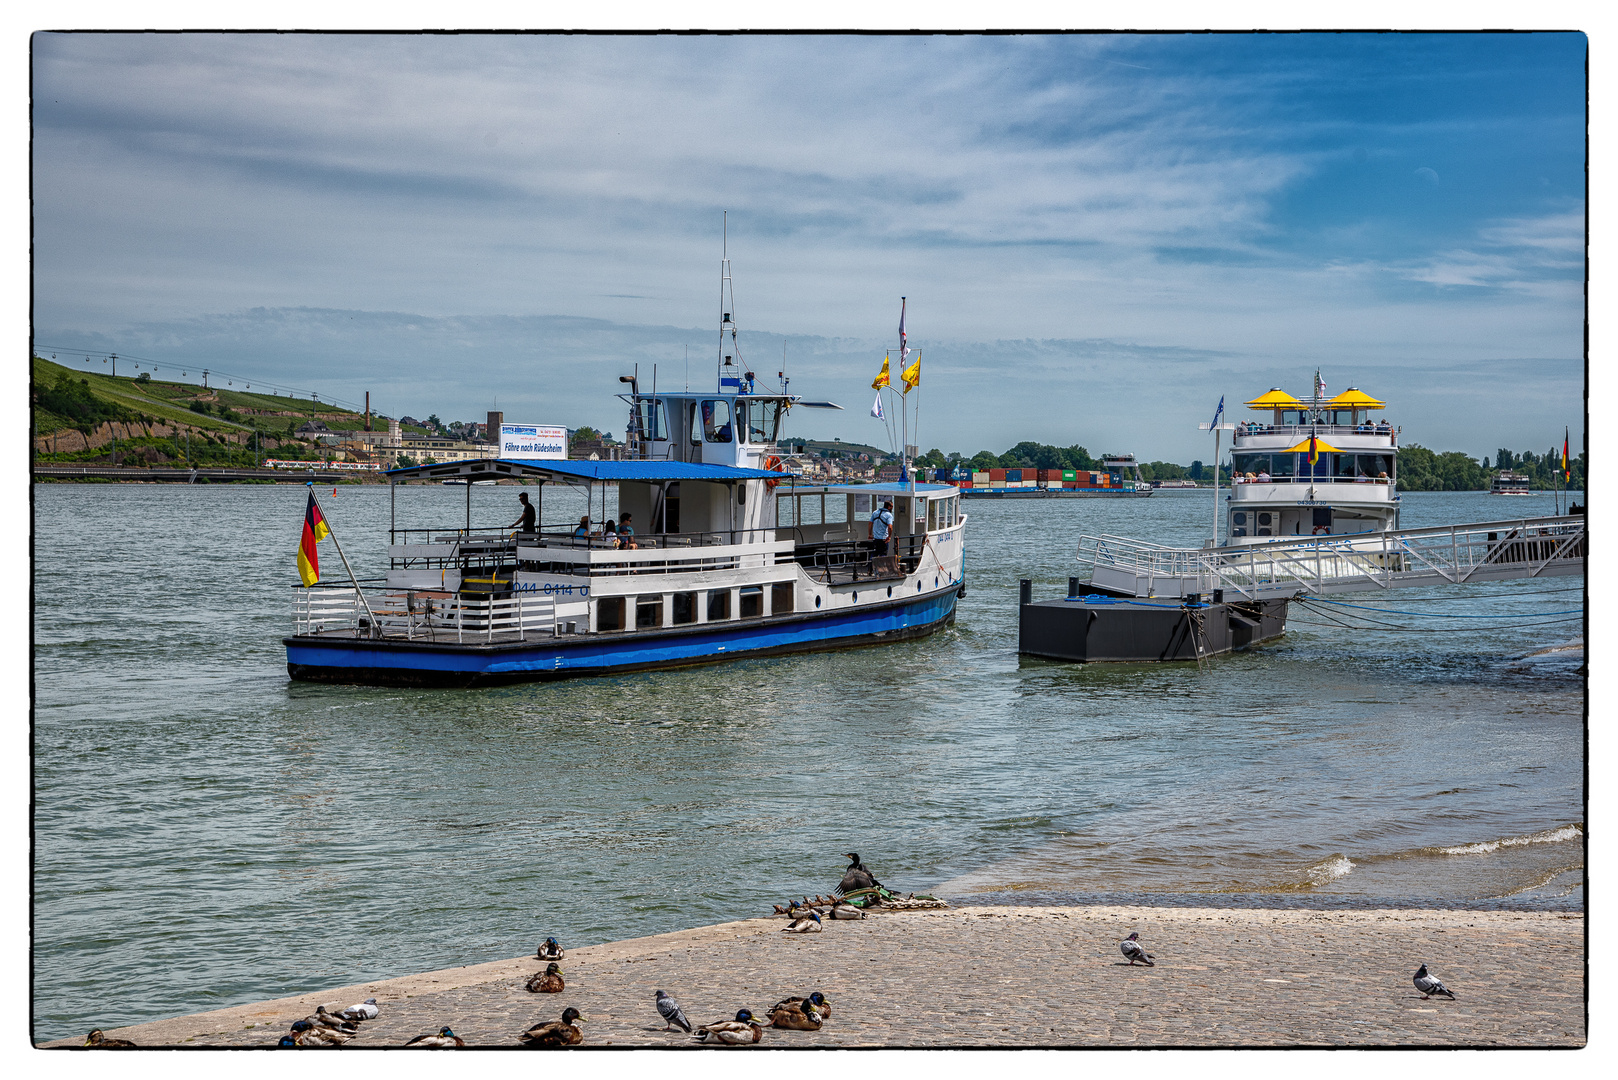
(817, 601)
(935, 582)
(890, 590)
(856, 598)
(918, 586)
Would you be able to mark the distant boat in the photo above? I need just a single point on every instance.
(1507, 482)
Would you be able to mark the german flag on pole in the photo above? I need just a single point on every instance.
(314, 531)
(1314, 450)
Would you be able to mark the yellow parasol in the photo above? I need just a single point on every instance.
(1355, 398)
(1277, 398)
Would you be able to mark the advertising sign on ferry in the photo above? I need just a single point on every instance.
(532, 442)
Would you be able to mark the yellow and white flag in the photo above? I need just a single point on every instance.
(882, 379)
(912, 374)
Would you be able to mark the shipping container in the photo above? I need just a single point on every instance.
(1069, 474)
(1013, 474)
(997, 474)
(999, 484)
(980, 476)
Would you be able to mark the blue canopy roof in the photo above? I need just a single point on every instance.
(655, 472)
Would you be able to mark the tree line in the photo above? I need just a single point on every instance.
(1419, 469)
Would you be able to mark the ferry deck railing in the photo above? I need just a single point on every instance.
(429, 615)
(1352, 562)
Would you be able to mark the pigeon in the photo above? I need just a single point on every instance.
(742, 1031)
(804, 924)
(1131, 948)
(548, 981)
(445, 1039)
(549, 949)
(1429, 985)
(672, 1014)
(841, 910)
(856, 876)
(96, 1038)
(365, 1010)
(563, 1032)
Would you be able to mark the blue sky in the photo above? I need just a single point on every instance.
(1098, 235)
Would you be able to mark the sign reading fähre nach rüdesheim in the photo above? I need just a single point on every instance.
(519, 442)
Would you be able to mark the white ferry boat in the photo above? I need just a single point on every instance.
(1507, 482)
(1316, 467)
(731, 557)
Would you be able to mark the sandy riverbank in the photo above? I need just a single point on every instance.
(1010, 976)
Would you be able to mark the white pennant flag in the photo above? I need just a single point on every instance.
(876, 407)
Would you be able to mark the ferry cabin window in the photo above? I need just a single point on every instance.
(782, 594)
(716, 421)
(932, 515)
(1370, 466)
(648, 612)
(653, 420)
(610, 613)
(718, 605)
(811, 509)
(684, 608)
(752, 601)
(835, 511)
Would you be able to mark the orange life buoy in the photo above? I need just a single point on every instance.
(773, 464)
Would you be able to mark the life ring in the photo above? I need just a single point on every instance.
(773, 464)
(1322, 530)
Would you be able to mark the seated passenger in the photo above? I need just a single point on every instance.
(609, 533)
(626, 533)
(1263, 476)
(584, 527)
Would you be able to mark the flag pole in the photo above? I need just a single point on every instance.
(333, 534)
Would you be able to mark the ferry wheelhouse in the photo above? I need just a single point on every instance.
(1321, 467)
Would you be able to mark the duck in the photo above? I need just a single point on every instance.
(549, 949)
(306, 1034)
(796, 1014)
(548, 981)
(445, 1039)
(841, 910)
(804, 924)
(97, 1039)
(742, 1031)
(817, 999)
(365, 1010)
(563, 1032)
(327, 1019)
(856, 876)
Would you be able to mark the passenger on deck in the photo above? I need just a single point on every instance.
(626, 533)
(584, 527)
(525, 520)
(609, 533)
(1263, 476)
(882, 529)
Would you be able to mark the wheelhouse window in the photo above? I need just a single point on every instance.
(715, 414)
(653, 419)
(759, 421)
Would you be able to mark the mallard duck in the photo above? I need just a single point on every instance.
(96, 1038)
(365, 1010)
(841, 910)
(563, 1032)
(444, 1040)
(742, 1031)
(796, 1014)
(548, 981)
(856, 876)
(672, 1014)
(327, 1019)
(808, 923)
(817, 999)
(1131, 948)
(306, 1034)
(549, 949)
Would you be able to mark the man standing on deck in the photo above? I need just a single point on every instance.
(526, 519)
(882, 529)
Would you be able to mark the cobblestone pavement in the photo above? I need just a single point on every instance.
(1004, 976)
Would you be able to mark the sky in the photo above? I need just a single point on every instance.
(1098, 236)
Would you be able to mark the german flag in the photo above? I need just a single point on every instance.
(314, 531)
(1314, 450)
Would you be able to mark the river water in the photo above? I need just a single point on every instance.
(208, 833)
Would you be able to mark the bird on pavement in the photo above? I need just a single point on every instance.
(1131, 948)
(563, 1032)
(324, 1018)
(672, 1014)
(841, 910)
(1429, 985)
(548, 981)
(444, 1040)
(306, 1034)
(804, 924)
(549, 949)
(96, 1038)
(796, 1015)
(856, 876)
(742, 1031)
(365, 1010)
(817, 999)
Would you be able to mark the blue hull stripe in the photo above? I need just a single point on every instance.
(596, 655)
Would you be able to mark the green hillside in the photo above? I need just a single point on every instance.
(64, 398)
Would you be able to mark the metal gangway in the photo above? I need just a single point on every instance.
(1355, 562)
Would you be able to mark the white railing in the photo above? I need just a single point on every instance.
(437, 616)
(1486, 551)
